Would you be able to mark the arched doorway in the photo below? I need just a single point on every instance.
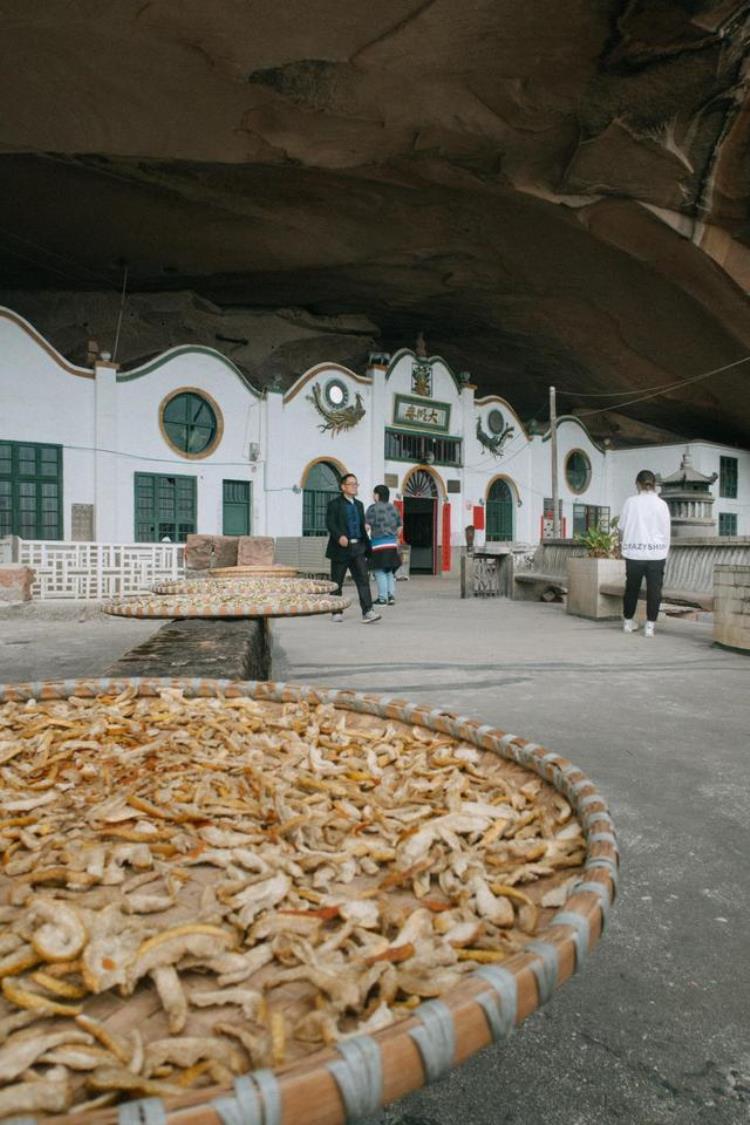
(420, 521)
(321, 485)
(499, 512)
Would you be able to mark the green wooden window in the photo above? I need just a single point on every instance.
(727, 523)
(321, 486)
(587, 517)
(189, 422)
(237, 498)
(31, 490)
(165, 507)
(728, 477)
(499, 513)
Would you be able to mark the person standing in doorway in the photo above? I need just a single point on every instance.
(349, 545)
(644, 537)
(384, 523)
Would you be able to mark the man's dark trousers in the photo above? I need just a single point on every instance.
(356, 564)
(635, 571)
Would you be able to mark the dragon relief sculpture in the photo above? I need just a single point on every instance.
(337, 418)
(493, 444)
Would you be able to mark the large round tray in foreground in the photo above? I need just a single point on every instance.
(243, 586)
(353, 1079)
(229, 604)
(273, 570)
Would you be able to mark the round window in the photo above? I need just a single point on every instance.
(496, 422)
(577, 471)
(336, 393)
(190, 423)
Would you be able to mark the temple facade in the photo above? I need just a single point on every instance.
(185, 443)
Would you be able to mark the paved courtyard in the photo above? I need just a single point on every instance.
(656, 1029)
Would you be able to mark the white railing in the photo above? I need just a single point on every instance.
(93, 571)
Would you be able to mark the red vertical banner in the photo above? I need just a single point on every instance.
(399, 506)
(478, 518)
(446, 536)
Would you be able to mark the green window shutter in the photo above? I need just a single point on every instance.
(499, 513)
(236, 507)
(31, 494)
(165, 507)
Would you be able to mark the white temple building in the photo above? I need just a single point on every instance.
(185, 443)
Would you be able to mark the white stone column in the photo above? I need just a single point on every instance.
(275, 477)
(378, 420)
(106, 522)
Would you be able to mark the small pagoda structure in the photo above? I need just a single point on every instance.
(688, 496)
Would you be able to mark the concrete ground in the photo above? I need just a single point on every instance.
(656, 1028)
(61, 640)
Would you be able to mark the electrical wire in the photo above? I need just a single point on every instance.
(652, 393)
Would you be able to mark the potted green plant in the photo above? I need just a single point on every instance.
(601, 544)
(587, 574)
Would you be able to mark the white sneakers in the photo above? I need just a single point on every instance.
(370, 616)
(631, 626)
(337, 618)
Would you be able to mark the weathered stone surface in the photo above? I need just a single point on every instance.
(15, 583)
(255, 550)
(552, 192)
(204, 551)
(234, 650)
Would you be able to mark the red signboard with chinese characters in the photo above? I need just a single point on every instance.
(446, 562)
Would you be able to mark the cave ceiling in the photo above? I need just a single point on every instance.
(554, 193)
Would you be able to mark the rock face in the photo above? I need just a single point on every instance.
(553, 193)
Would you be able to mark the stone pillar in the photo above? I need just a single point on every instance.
(275, 476)
(378, 419)
(105, 457)
(732, 607)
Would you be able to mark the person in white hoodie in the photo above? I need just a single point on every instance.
(644, 541)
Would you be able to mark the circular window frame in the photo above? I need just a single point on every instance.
(218, 435)
(336, 384)
(495, 413)
(589, 472)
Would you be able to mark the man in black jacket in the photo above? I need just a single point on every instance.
(349, 545)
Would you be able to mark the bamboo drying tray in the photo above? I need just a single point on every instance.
(220, 604)
(241, 586)
(353, 1079)
(273, 570)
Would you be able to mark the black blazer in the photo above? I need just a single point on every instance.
(337, 526)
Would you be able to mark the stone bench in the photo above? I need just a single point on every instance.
(556, 582)
(696, 599)
(548, 570)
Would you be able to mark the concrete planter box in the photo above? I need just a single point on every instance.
(585, 576)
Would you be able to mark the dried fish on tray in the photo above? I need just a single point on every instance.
(228, 603)
(206, 877)
(247, 586)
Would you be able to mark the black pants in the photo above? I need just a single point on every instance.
(635, 571)
(356, 564)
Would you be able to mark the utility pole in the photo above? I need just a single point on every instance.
(553, 451)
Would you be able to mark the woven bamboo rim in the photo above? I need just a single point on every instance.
(334, 1086)
(275, 570)
(197, 607)
(241, 585)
